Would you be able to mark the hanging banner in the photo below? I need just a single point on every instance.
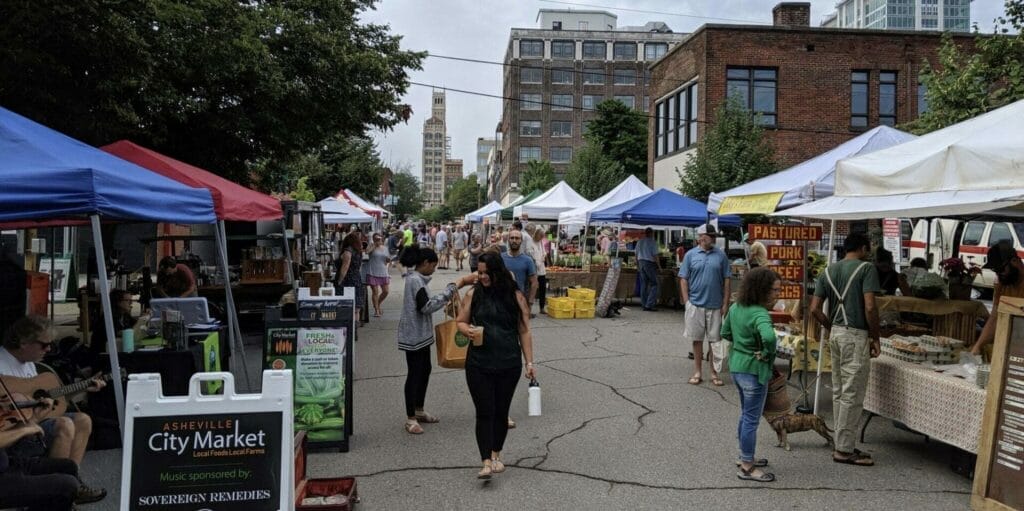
(785, 232)
(790, 272)
(785, 252)
(791, 292)
(757, 204)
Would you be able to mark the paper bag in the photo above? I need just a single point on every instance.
(451, 351)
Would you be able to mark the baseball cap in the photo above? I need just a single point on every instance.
(707, 229)
(999, 255)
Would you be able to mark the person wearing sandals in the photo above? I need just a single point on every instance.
(496, 318)
(416, 329)
(704, 289)
(749, 326)
(850, 287)
(377, 276)
(349, 268)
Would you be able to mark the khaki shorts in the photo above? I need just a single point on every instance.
(702, 324)
(459, 253)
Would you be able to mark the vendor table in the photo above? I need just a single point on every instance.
(668, 283)
(952, 318)
(945, 408)
(250, 298)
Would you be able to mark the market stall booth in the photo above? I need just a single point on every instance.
(378, 213)
(479, 214)
(51, 179)
(506, 214)
(548, 205)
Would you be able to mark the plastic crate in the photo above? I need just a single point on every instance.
(584, 313)
(561, 308)
(582, 293)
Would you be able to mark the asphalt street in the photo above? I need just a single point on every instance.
(621, 429)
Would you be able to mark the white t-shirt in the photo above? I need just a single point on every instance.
(442, 239)
(10, 366)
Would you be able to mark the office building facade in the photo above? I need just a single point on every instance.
(942, 15)
(435, 152)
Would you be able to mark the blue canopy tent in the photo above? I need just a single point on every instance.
(50, 179)
(661, 207)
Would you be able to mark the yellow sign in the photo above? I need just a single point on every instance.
(757, 204)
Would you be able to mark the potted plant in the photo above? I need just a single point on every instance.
(960, 276)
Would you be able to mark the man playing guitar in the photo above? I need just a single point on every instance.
(27, 341)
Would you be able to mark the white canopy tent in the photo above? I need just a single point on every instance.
(341, 212)
(973, 167)
(806, 181)
(548, 205)
(489, 209)
(627, 190)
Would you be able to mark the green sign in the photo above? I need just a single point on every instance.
(316, 356)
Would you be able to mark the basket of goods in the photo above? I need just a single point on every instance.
(326, 494)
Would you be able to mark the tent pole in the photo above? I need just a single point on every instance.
(234, 332)
(53, 293)
(287, 252)
(108, 319)
(821, 338)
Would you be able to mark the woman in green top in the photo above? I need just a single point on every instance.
(749, 326)
(496, 318)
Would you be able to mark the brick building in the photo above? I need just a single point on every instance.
(554, 77)
(815, 87)
(452, 173)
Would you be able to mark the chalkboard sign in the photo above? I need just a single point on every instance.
(220, 452)
(999, 474)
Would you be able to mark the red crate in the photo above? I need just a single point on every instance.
(320, 487)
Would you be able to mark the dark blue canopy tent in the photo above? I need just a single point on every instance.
(50, 179)
(661, 207)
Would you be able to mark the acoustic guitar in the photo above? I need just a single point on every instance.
(49, 385)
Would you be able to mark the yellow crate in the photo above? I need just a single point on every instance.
(561, 313)
(584, 304)
(582, 293)
(561, 303)
(584, 313)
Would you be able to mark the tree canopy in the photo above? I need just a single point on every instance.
(406, 190)
(539, 175)
(463, 196)
(620, 132)
(733, 151)
(968, 83)
(592, 174)
(242, 88)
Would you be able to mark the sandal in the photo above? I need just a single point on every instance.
(497, 466)
(413, 428)
(485, 473)
(857, 458)
(748, 475)
(426, 418)
(716, 381)
(694, 380)
(757, 463)
(511, 424)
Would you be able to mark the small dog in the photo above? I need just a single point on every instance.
(795, 423)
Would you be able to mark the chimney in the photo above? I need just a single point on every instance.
(792, 14)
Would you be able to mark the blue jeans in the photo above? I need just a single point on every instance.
(648, 284)
(752, 396)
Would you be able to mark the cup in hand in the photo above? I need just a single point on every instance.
(128, 340)
(478, 335)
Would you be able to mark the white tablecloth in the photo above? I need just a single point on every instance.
(945, 408)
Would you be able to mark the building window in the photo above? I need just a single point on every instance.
(556, 25)
(691, 109)
(629, 101)
(646, 105)
(563, 50)
(530, 101)
(755, 88)
(590, 102)
(922, 99)
(585, 127)
(561, 101)
(859, 99)
(647, 77)
(625, 77)
(671, 121)
(562, 76)
(531, 75)
(624, 51)
(531, 48)
(529, 128)
(659, 128)
(593, 77)
(887, 98)
(561, 128)
(527, 154)
(561, 154)
(676, 121)
(654, 51)
(595, 50)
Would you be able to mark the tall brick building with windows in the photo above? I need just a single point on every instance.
(814, 87)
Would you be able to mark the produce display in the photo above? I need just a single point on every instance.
(924, 348)
(316, 356)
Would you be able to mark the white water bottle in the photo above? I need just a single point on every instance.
(534, 398)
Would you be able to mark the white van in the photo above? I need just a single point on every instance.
(968, 240)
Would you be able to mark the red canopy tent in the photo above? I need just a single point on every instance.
(231, 201)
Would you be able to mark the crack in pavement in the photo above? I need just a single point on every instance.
(649, 486)
(597, 338)
(433, 373)
(639, 419)
(547, 445)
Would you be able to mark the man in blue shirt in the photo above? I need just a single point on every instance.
(521, 265)
(704, 288)
(647, 263)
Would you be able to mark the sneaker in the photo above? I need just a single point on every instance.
(88, 495)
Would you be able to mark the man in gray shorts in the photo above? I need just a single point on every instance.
(704, 288)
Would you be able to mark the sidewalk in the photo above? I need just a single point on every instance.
(621, 429)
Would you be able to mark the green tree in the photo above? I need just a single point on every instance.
(438, 214)
(621, 134)
(966, 84)
(733, 151)
(592, 173)
(539, 175)
(407, 194)
(349, 162)
(462, 197)
(221, 84)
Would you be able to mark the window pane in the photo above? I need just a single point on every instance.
(561, 76)
(737, 73)
(629, 101)
(563, 49)
(922, 99)
(653, 51)
(680, 114)
(624, 51)
(768, 120)
(859, 99)
(529, 153)
(764, 97)
(530, 101)
(593, 77)
(740, 91)
(531, 75)
(561, 101)
(887, 99)
(859, 76)
(646, 106)
(625, 77)
(561, 128)
(659, 124)
(531, 48)
(887, 76)
(561, 154)
(595, 50)
(529, 128)
(764, 74)
(590, 102)
(859, 121)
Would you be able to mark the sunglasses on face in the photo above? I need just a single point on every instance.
(44, 345)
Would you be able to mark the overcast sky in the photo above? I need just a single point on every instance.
(479, 29)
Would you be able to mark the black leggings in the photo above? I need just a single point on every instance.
(492, 391)
(43, 484)
(542, 291)
(416, 381)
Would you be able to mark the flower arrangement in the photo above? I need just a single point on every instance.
(956, 269)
